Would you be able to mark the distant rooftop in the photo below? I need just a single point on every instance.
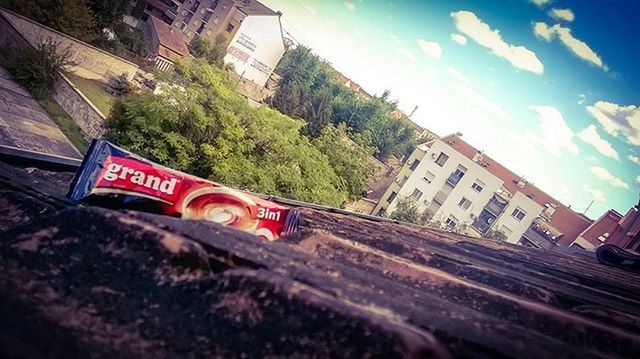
(170, 38)
(252, 7)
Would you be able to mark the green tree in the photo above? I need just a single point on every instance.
(349, 160)
(205, 128)
(72, 17)
(36, 68)
(212, 51)
(407, 211)
(495, 235)
(108, 13)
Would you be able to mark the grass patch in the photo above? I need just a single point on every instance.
(66, 124)
(95, 91)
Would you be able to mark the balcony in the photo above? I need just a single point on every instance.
(440, 197)
(538, 238)
(495, 206)
(454, 179)
(483, 222)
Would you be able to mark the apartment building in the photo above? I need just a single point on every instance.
(455, 184)
(252, 32)
(201, 17)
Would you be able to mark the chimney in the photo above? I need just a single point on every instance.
(478, 157)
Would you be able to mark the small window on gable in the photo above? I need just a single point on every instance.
(478, 186)
(518, 214)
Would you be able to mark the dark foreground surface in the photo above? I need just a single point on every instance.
(90, 282)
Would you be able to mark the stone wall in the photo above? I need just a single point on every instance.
(90, 62)
(79, 108)
(11, 43)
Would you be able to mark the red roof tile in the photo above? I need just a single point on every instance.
(172, 42)
(564, 219)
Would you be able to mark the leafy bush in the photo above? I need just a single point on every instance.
(36, 68)
(205, 128)
(212, 51)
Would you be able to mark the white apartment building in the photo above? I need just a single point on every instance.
(457, 185)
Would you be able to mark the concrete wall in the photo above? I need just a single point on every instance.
(508, 221)
(79, 108)
(257, 48)
(91, 62)
(415, 180)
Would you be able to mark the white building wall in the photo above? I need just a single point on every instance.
(463, 188)
(256, 48)
(427, 157)
(517, 228)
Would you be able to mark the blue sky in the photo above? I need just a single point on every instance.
(549, 88)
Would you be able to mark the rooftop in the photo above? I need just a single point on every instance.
(169, 38)
(253, 7)
(564, 218)
(84, 281)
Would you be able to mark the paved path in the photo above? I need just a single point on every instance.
(25, 125)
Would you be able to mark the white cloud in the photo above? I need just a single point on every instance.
(519, 56)
(459, 39)
(432, 49)
(483, 102)
(458, 75)
(542, 30)
(562, 14)
(622, 121)
(351, 6)
(591, 136)
(555, 135)
(396, 39)
(638, 179)
(604, 174)
(540, 2)
(595, 194)
(578, 47)
(635, 159)
(407, 54)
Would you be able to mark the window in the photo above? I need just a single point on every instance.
(603, 237)
(230, 27)
(456, 176)
(416, 194)
(428, 177)
(200, 28)
(451, 221)
(460, 171)
(518, 214)
(442, 159)
(464, 203)
(477, 186)
(183, 26)
(392, 196)
(195, 6)
(414, 164)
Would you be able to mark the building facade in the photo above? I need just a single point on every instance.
(458, 186)
(252, 32)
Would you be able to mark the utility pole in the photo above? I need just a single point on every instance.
(589, 206)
